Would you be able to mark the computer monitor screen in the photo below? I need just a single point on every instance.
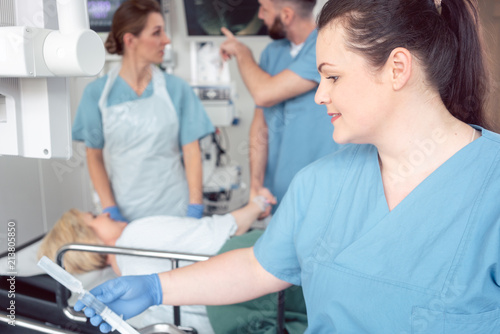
(101, 13)
(206, 17)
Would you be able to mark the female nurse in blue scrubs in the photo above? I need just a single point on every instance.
(398, 233)
(141, 126)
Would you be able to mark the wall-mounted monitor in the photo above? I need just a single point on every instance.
(206, 17)
(101, 13)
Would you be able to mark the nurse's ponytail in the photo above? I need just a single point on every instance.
(130, 17)
(464, 95)
(442, 34)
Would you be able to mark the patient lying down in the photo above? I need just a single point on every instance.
(165, 233)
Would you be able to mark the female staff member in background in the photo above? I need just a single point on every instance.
(135, 120)
(399, 233)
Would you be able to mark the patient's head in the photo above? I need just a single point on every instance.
(73, 228)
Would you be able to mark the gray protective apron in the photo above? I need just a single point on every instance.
(142, 152)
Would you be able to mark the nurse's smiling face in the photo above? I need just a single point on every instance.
(355, 94)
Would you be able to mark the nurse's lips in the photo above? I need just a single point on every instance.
(334, 116)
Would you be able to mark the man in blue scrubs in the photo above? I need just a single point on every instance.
(289, 130)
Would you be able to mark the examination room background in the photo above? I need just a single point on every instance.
(35, 192)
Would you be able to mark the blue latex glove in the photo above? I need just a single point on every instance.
(195, 210)
(126, 295)
(114, 213)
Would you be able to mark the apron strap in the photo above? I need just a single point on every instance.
(112, 75)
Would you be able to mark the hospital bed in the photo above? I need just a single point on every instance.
(42, 304)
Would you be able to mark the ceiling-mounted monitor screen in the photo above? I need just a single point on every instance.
(101, 13)
(206, 17)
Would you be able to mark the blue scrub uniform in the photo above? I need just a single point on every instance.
(300, 131)
(142, 139)
(431, 265)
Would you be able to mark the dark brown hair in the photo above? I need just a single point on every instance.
(130, 17)
(446, 42)
(304, 8)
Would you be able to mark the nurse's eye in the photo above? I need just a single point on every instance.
(333, 77)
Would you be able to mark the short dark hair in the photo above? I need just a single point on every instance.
(446, 41)
(130, 17)
(304, 7)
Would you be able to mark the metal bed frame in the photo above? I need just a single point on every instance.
(78, 318)
(62, 294)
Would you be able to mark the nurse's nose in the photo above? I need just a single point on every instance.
(322, 96)
(166, 40)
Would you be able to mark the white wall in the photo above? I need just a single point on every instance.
(36, 192)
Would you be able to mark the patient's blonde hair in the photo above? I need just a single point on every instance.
(71, 228)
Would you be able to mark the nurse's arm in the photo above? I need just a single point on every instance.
(99, 177)
(228, 278)
(193, 166)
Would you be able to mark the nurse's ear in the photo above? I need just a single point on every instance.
(399, 67)
(128, 40)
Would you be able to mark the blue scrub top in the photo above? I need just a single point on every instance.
(300, 131)
(193, 120)
(431, 265)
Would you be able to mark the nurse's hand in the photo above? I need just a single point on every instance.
(195, 210)
(126, 295)
(115, 213)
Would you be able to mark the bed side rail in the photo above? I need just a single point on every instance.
(62, 294)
